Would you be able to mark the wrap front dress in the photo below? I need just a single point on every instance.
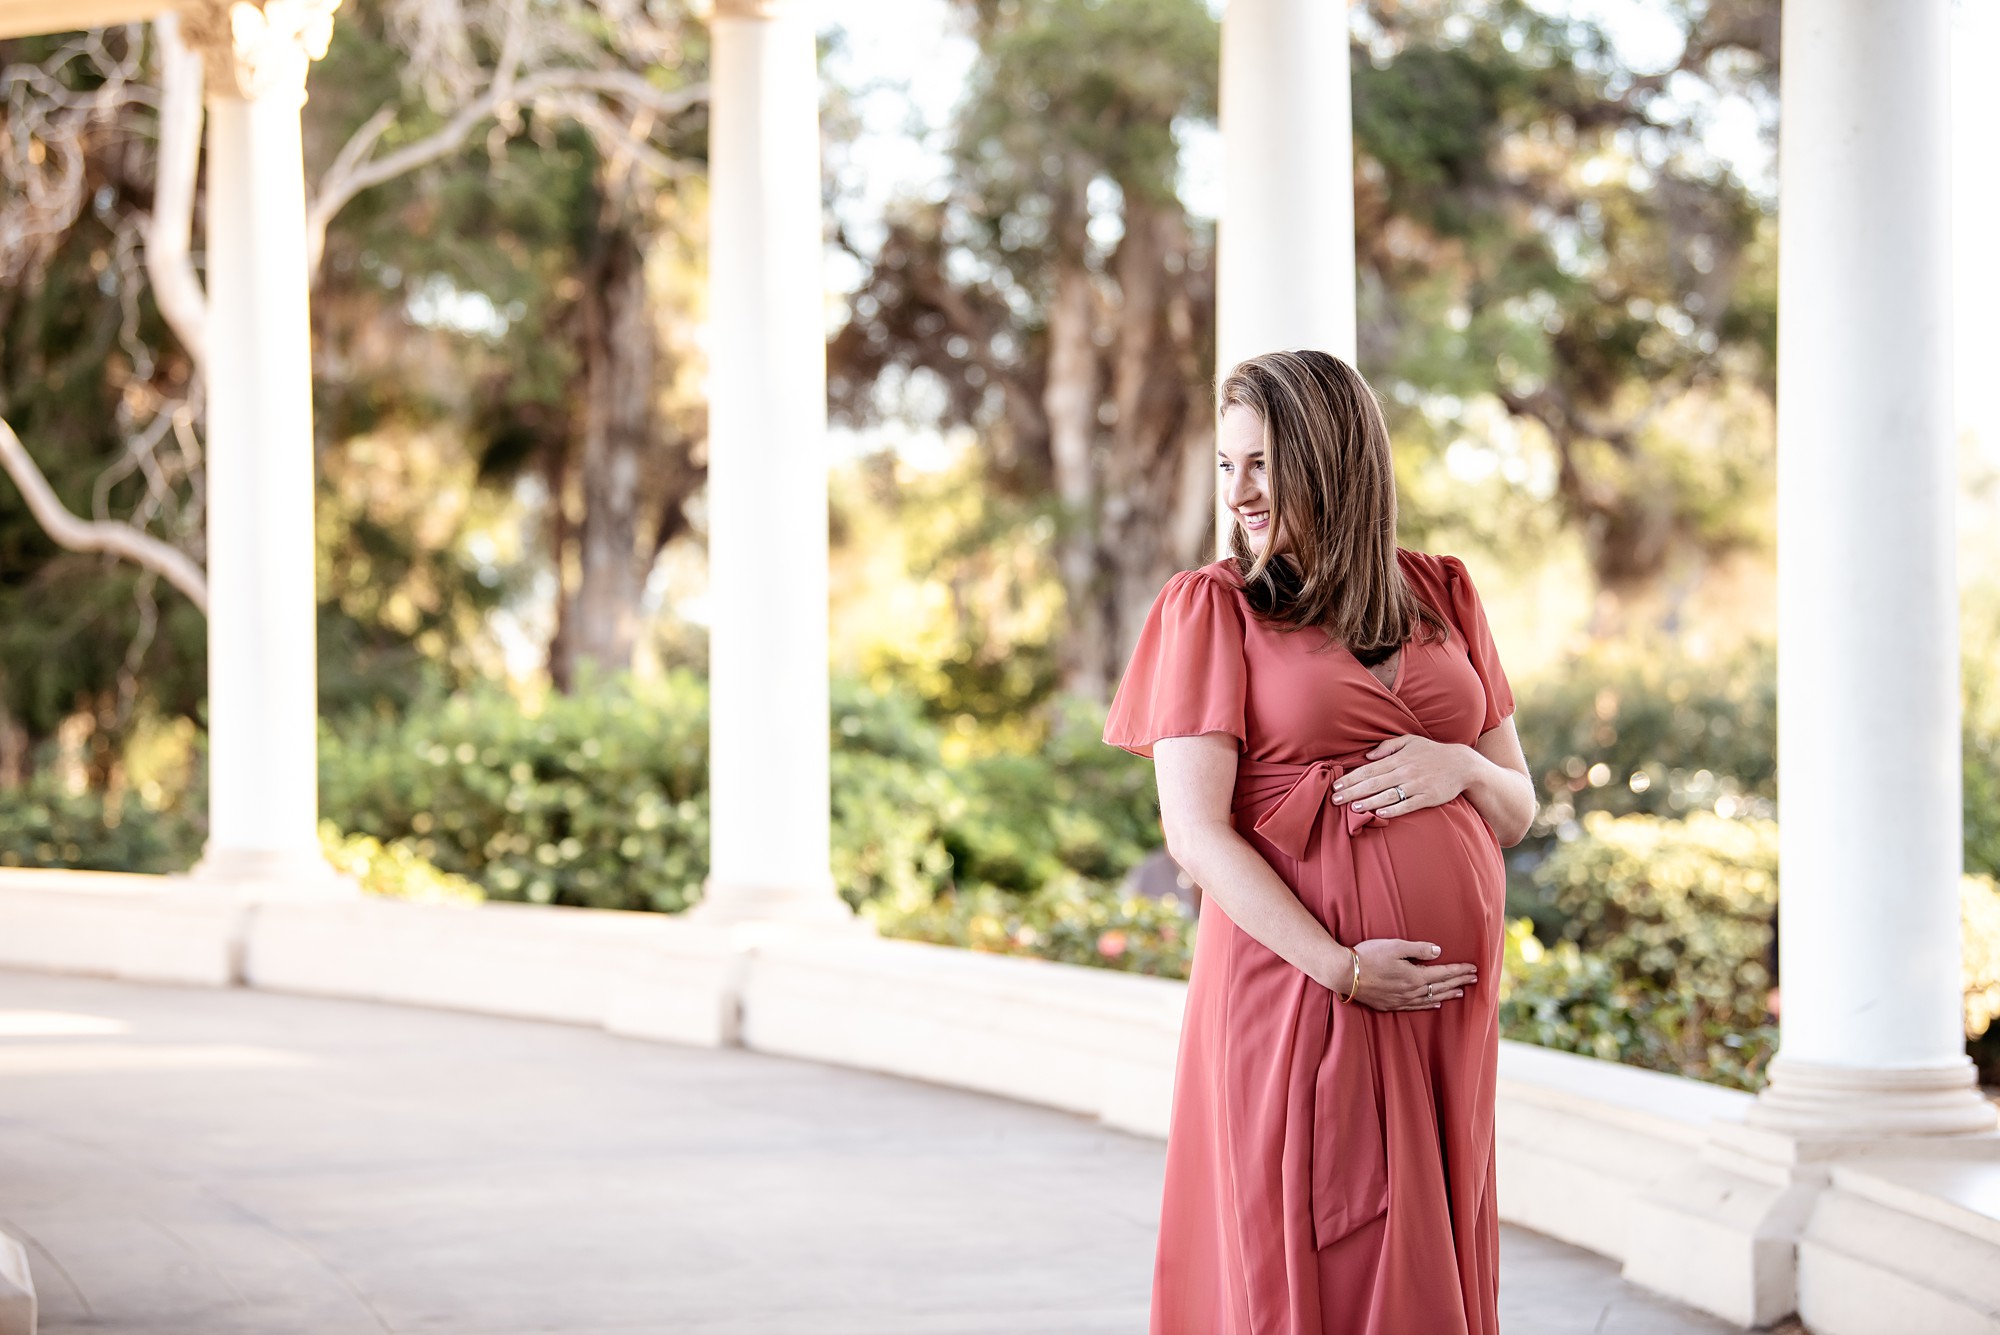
(1329, 1167)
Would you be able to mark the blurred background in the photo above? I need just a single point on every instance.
(1566, 235)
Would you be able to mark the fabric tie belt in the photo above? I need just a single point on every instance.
(1332, 1083)
(1290, 822)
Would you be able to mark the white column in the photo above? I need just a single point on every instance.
(1868, 694)
(1285, 240)
(262, 693)
(767, 500)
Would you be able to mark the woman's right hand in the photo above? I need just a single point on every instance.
(1393, 980)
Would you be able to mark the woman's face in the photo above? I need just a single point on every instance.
(1239, 453)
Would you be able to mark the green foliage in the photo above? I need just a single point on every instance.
(909, 825)
(1630, 732)
(1685, 906)
(86, 369)
(597, 799)
(600, 798)
(392, 870)
(1560, 997)
(945, 590)
(1980, 672)
(892, 800)
(1063, 84)
(1544, 236)
(1071, 919)
(1979, 915)
(1661, 958)
(1074, 806)
(45, 825)
(1982, 794)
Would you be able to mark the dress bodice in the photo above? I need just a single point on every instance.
(1205, 662)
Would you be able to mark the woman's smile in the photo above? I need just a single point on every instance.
(1241, 455)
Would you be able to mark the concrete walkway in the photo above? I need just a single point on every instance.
(239, 1163)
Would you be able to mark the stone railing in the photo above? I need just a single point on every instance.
(1603, 1156)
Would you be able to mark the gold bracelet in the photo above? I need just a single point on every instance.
(1355, 986)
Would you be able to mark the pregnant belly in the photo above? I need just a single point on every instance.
(1450, 881)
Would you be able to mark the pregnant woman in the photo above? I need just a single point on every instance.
(1338, 770)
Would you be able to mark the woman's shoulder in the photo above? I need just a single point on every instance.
(1440, 571)
(1210, 595)
(1214, 578)
(1221, 571)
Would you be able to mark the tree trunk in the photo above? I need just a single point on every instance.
(1070, 400)
(555, 480)
(1158, 514)
(618, 428)
(16, 752)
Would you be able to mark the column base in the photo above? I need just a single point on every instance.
(253, 874)
(726, 903)
(1725, 1237)
(1815, 1099)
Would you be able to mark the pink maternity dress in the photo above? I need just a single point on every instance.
(1329, 1167)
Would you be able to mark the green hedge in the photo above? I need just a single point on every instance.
(1982, 768)
(1630, 732)
(1660, 960)
(392, 870)
(600, 798)
(45, 825)
(1684, 906)
(1559, 997)
(1073, 920)
(1649, 734)
(597, 799)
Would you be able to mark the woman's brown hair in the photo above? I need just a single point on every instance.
(1332, 485)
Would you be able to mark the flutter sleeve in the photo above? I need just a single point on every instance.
(1186, 676)
(1470, 615)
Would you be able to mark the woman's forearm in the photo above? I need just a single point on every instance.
(1234, 875)
(1505, 797)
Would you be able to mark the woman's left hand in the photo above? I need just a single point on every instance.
(1430, 774)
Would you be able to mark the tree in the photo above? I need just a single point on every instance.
(103, 185)
(1544, 240)
(1062, 296)
(1544, 228)
(550, 230)
(86, 362)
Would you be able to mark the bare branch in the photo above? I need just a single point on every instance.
(354, 170)
(75, 534)
(621, 140)
(168, 261)
(45, 137)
